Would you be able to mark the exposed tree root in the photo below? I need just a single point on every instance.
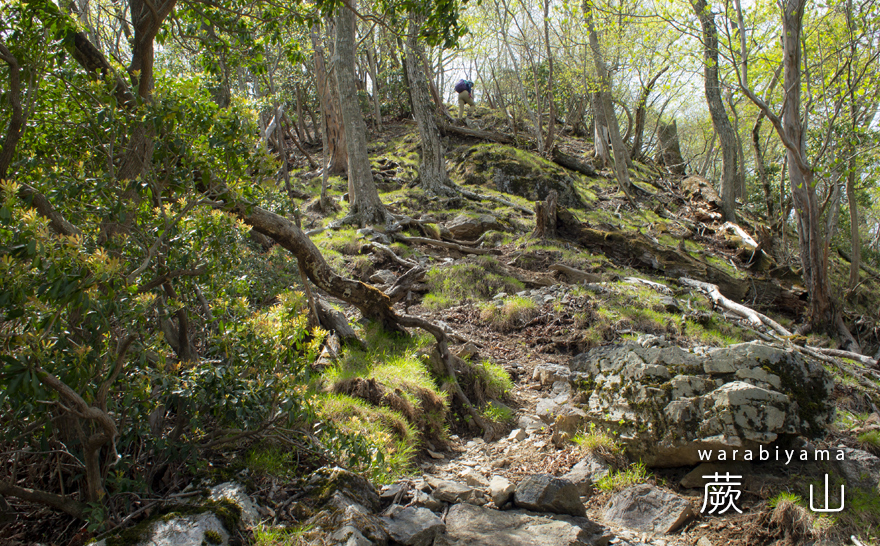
(478, 197)
(576, 275)
(373, 303)
(445, 244)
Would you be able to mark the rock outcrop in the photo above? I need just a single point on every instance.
(666, 403)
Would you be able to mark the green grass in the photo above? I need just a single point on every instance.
(597, 441)
(266, 535)
(786, 496)
(621, 479)
(497, 413)
(513, 312)
(478, 279)
(495, 380)
(383, 428)
(870, 440)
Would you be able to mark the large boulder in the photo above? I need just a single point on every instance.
(518, 172)
(341, 499)
(672, 407)
(545, 493)
(468, 227)
(468, 525)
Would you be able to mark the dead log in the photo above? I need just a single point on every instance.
(545, 217)
(862, 266)
(573, 163)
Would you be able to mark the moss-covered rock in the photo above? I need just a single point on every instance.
(518, 172)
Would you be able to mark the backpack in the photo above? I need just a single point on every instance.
(463, 85)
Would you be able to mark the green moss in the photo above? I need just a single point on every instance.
(477, 279)
(213, 537)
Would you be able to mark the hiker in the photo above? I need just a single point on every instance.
(464, 88)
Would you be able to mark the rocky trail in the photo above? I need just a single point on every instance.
(631, 390)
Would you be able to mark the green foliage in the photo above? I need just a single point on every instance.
(597, 441)
(785, 496)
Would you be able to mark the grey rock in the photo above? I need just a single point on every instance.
(420, 498)
(468, 228)
(548, 373)
(501, 490)
(383, 276)
(587, 472)
(665, 404)
(517, 435)
(236, 494)
(350, 536)
(546, 493)
(454, 492)
(412, 526)
(390, 491)
(474, 478)
(468, 525)
(859, 468)
(648, 508)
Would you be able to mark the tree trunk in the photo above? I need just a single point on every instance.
(670, 148)
(601, 138)
(15, 128)
(432, 165)
(545, 217)
(815, 263)
(374, 75)
(716, 109)
(642, 114)
(366, 208)
(329, 100)
(621, 154)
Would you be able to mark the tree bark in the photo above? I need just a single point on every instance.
(432, 165)
(601, 138)
(15, 128)
(720, 120)
(329, 100)
(366, 207)
(642, 114)
(621, 155)
(670, 148)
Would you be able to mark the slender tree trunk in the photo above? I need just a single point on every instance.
(823, 315)
(621, 154)
(432, 165)
(642, 114)
(551, 121)
(329, 100)
(716, 109)
(374, 75)
(366, 207)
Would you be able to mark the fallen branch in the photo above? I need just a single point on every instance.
(662, 288)
(334, 321)
(477, 197)
(390, 253)
(750, 314)
(758, 319)
(573, 163)
(59, 502)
